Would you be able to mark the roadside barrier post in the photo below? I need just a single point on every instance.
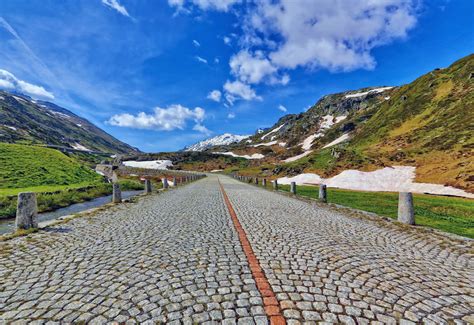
(174, 181)
(264, 182)
(256, 180)
(275, 185)
(323, 196)
(293, 188)
(116, 193)
(406, 212)
(165, 182)
(26, 211)
(147, 186)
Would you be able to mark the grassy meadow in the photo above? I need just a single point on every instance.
(58, 179)
(451, 214)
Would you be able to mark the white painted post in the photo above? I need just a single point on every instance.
(264, 182)
(165, 182)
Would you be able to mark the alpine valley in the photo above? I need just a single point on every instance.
(426, 124)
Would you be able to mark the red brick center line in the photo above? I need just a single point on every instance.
(270, 303)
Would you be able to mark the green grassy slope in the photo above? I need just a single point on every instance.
(23, 166)
(428, 123)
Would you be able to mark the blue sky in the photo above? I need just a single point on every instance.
(161, 75)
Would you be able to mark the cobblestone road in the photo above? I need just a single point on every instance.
(176, 258)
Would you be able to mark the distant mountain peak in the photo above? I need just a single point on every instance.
(220, 140)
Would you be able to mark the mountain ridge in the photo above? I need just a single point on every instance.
(28, 121)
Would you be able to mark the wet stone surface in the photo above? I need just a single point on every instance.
(176, 258)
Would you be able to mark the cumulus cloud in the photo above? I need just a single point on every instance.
(282, 108)
(219, 5)
(215, 95)
(334, 34)
(10, 82)
(115, 5)
(251, 68)
(231, 115)
(239, 90)
(196, 43)
(164, 119)
(202, 60)
(201, 128)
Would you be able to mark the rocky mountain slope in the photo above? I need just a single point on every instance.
(220, 140)
(427, 124)
(27, 121)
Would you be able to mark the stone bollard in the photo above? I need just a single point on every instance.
(323, 196)
(275, 185)
(147, 186)
(264, 182)
(406, 212)
(293, 188)
(165, 183)
(116, 193)
(256, 180)
(26, 211)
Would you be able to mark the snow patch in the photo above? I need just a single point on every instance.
(306, 145)
(220, 140)
(388, 179)
(294, 158)
(10, 127)
(272, 131)
(254, 156)
(79, 146)
(267, 144)
(301, 179)
(375, 90)
(216, 170)
(150, 164)
(21, 99)
(342, 138)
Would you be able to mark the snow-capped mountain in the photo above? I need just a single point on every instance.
(220, 140)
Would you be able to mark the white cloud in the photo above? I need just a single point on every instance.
(201, 128)
(10, 82)
(334, 34)
(114, 4)
(219, 5)
(282, 108)
(202, 60)
(231, 115)
(238, 89)
(251, 68)
(215, 95)
(165, 119)
(227, 40)
(196, 43)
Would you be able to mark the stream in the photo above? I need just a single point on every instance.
(8, 225)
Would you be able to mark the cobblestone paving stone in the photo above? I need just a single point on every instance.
(176, 258)
(326, 266)
(173, 257)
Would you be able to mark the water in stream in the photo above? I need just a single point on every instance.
(8, 225)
